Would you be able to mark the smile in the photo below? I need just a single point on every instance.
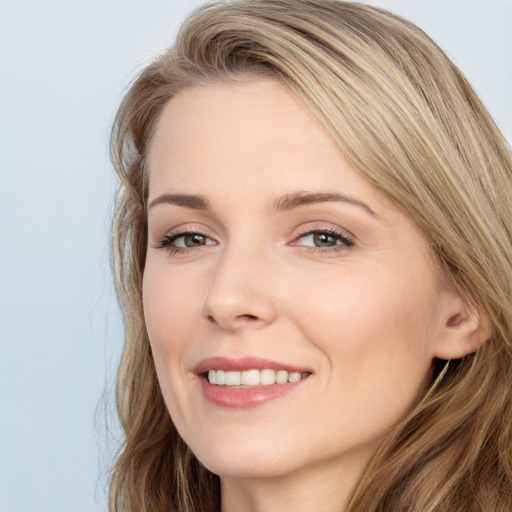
(254, 377)
(248, 382)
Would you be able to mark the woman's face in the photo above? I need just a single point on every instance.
(269, 257)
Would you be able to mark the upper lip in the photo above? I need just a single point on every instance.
(244, 363)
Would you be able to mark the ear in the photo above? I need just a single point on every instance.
(464, 327)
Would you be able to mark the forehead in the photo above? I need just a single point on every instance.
(251, 135)
(244, 116)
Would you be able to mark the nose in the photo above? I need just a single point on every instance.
(240, 292)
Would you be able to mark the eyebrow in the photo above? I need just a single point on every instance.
(297, 199)
(284, 203)
(185, 200)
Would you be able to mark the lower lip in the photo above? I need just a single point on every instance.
(245, 398)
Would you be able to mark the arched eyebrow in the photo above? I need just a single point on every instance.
(284, 203)
(195, 202)
(297, 199)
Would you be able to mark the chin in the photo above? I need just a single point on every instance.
(248, 458)
(257, 467)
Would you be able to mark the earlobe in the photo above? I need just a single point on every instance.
(463, 332)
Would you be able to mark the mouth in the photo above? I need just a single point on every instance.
(248, 382)
(253, 377)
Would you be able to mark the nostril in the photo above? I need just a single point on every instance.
(250, 318)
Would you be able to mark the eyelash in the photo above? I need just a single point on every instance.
(167, 241)
(345, 241)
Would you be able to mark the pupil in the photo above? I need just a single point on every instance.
(193, 240)
(324, 240)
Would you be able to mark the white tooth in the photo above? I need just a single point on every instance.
(251, 378)
(294, 377)
(232, 378)
(211, 377)
(282, 377)
(267, 377)
(220, 377)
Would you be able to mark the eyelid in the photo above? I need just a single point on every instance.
(328, 227)
(346, 238)
(164, 241)
(186, 229)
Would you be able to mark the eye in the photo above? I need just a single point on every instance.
(324, 240)
(184, 242)
(189, 240)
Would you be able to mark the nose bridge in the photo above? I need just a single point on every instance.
(239, 293)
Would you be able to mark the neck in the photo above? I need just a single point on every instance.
(327, 488)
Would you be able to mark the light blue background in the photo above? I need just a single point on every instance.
(63, 67)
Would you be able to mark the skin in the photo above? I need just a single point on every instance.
(366, 318)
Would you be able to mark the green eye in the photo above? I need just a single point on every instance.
(324, 239)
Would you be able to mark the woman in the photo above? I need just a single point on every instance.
(313, 255)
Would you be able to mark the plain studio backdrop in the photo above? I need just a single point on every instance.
(63, 68)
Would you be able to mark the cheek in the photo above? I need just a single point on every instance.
(372, 328)
(355, 303)
(169, 322)
(373, 338)
(166, 302)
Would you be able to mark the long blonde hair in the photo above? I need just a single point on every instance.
(408, 120)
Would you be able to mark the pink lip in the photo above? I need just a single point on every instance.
(242, 364)
(239, 397)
